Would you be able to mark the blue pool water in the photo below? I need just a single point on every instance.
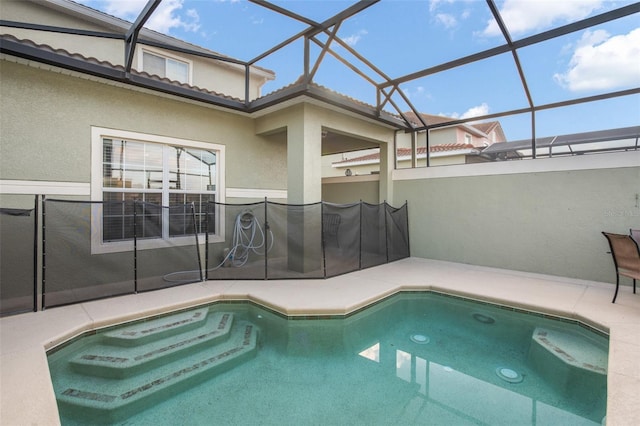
(415, 358)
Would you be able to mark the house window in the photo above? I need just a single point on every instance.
(467, 138)
(135, 175)
(164, 66)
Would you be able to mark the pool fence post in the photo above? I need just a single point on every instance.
(360, 238)
(406, 203)
(386, 231)
(44, 252)
(266, 243)
(322, 242)
(206, 242)
(195, 233)
(135, 246)
(35, 254)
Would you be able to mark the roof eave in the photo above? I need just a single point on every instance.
(326, 96)
(31, 53)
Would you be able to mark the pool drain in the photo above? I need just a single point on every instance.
(509, 375)
(420, 339)
(485, 319)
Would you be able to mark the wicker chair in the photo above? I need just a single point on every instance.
(626, 258)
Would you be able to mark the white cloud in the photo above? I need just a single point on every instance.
(416, 93)
(601, 61)
(124, 9)
(353, 39)
(165, 18)
(476, 111)
(521, 16)
(447, 20)
(435, 4)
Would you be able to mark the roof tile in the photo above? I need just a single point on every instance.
(107, 64)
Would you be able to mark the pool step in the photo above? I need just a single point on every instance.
(566, 358)
(124, 361)
(106, 397)
(156, 329)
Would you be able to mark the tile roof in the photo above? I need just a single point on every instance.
(31, 50)
(300, 82)
(430, 119)
(47, 49)
(484, 127)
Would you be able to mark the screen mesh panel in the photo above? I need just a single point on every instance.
(397, 232)
(72, 273)
(17, 228)
(341, 236)
(94, 250)
(178, 260)
(297, 241)
(374, 239)
(237, 241)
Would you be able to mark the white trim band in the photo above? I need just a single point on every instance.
(351, 179)
(540, 165)
(35, 187)
(256, 193)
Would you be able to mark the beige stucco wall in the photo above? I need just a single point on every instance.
(46, 120)
(351, 190)
(546, 222)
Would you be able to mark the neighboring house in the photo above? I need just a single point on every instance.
(610, 140)
(455, 144)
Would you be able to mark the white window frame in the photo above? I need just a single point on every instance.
(98, 246)
(166, 55)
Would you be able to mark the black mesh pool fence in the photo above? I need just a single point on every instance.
(17, 260)
(93, 250)
(237, 241)
(269, 240)
(78, 264)
(373, 249)
(397, 230)
(174, 260)
(342, 238)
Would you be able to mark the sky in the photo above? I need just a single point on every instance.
(404, 36)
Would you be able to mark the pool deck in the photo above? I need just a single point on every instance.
(27, 396)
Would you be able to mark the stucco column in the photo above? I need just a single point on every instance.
(386, 168)
(304, 165)
(304, 186)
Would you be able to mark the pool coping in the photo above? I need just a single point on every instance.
(27, 394)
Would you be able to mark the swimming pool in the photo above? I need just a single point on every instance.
(415, 358)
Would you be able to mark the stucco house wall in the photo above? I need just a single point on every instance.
(343, 190)
(46, 120)
(513, 217)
